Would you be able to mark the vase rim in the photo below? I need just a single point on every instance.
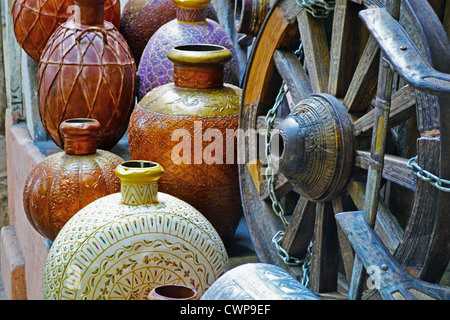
(192, 4)
(199, 54)
(139, 171)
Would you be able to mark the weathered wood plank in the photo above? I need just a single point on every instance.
(395, 169)
(386, 225)
(315, 46)
(293, 74)
(281, 186)
(259, 78)
(344, 47)
(346, 250)
(324, 252)
(299, 232)
(363, 86)
(402, 107)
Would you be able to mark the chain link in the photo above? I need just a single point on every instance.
(317, 8)
(428, 176)
(270, 118)
(293, 261)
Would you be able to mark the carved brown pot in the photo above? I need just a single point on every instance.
(87, 70)
(195, 104)
(141, 18)
(36, 20)
(65, 182)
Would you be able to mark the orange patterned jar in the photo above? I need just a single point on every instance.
(65, 182)
(87, 71)
(188, 127)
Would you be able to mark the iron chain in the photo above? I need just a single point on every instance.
(276, 205)
(317, 8)
(293, 261)
(441, 184)
(270, 118)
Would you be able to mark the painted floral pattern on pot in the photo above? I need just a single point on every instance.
(114, 249)
(190, 27)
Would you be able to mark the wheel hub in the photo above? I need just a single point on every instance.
(316, 147)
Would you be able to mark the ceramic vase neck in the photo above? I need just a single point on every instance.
(199, 66)
(139, 184)
(191, 15)
(191, 11)
(80, 135)
(90, 12)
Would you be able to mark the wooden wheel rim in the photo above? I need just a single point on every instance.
(278, 29)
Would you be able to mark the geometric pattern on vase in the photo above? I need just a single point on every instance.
(109, 250)
(35, 21)
(211, 188)
(62, 184)
(86, 75)
(142, 18)
(155, 69)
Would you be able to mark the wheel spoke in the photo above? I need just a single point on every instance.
(293, 74)
(363, 87)
(324, 253)
(281, 187)
(395, 169)
(300, 229)
(402, 107)
(317, 54)
(346, 250)
(386, 225)
(345, 44)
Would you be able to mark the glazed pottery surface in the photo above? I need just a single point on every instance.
(204, 178)
(258, 281)
(123, 245)
(65, 182)
(190, 27)
(87, 70)
(141, 18)
(36, 20)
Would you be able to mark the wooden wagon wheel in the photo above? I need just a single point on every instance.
(325, 135)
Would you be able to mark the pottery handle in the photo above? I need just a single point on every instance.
(93, 29)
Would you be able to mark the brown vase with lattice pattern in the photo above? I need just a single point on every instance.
(35, 21)
(189, 127)
(67, 181)
(87, 71)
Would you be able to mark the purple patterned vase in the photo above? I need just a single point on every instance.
(190, 27)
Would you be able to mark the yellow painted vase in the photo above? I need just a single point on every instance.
(123, 245)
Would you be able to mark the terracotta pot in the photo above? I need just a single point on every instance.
(190, 27)
(36, 20)
(173, 292)
(141, 18)
(183, 113)
(124, 244)
(65, 182)
(87, 70)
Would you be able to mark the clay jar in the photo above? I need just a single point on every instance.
(35, 21)
(189, 127)
(173, 292)
(65, 182)
(87, 70)
(141, 18)
(124, 244)
(190, 27)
